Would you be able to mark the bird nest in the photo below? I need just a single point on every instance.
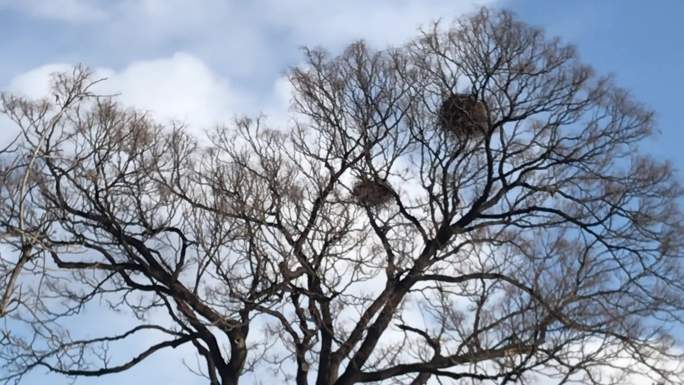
(463, 115)
(369, 192)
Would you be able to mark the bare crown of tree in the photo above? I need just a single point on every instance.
(470, 207)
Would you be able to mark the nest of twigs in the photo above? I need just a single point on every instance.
(370, 192)
(463, 116)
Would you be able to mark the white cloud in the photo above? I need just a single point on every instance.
(180, 87)
(64, 10)
(252, 38)
(380, 22)
(35, 83)
(176, 88)
(309, 21)
(246, 39)
(276, 108)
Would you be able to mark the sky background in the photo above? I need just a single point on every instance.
(206, 61)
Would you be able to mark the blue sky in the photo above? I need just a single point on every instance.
(640, 43)
(206, 61)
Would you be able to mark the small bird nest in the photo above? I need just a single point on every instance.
(370, 192)
(463, 115)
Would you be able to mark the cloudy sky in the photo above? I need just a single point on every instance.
(205, 61)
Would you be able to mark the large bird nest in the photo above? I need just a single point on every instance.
(463, 116)
(372, 192)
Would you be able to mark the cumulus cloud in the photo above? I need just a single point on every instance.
(35, 83)
(177, 88)
(180, 88)
(32, 84)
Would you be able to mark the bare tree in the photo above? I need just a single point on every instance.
(470, 207)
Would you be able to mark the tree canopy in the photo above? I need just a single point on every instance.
(469, 207)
